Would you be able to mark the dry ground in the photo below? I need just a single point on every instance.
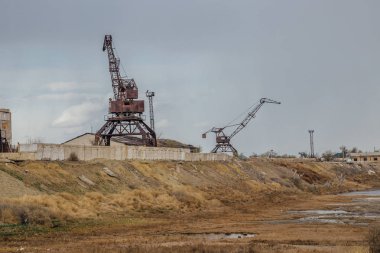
(173, 206)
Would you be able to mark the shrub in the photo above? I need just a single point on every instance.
(374, 239)
(27, 214)
(297, 182)
(73, 157)
(328, 156)
(185, 198)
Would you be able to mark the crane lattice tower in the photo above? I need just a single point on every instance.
(125, 110)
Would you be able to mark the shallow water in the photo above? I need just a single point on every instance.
(219, 236)
(321, 212)
(358, 212)
(363, 193)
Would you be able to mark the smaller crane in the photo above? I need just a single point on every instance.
(223, 141)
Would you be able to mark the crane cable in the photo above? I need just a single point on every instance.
(120, 62)
(241, 114)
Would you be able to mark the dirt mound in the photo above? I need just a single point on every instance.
(13, 187)
(168, 143)
(77, 190)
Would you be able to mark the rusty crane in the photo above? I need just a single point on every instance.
(223, 141)
(125, 110)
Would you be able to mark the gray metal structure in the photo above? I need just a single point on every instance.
(311, 133)
(125, 109)
(150, 95)
(223, 141)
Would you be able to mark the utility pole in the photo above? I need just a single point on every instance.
(150, 95)
(311, 132)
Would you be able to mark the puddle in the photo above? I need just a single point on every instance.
(320, 212)
(238, 236)
(362, 209)
(317, 219)
(323, 216)
(355, 214)
(219, 236)
(370, 199)
(362, 193)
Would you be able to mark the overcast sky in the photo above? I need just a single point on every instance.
(208, 61)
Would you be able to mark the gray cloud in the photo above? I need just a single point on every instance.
(207, 61)
(78, 115)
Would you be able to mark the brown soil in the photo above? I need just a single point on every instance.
(172, 206)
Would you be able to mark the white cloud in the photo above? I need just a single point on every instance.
(78, 115)
(163, 123)
(60, 86)
(60, 96)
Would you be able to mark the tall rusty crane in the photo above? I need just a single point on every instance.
(223, 141)
(125, 120)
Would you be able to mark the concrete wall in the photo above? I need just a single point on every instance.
(63, 152)
(206, 157)
(86, 153)
(155, 153)
(18, 156)
(28, 148)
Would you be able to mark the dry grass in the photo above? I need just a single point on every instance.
(164, 187)
(30, 214)
(97, 205)
(190, 197)
(374, 239)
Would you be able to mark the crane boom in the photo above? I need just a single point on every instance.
(251, 115)
(223, 140)
(123, 88)
(113, 62)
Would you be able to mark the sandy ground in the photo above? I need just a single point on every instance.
(184, 207)
(193, 232)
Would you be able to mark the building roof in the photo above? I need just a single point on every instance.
(365, 154)
(134, 141)
(120, 139)
(77, 137)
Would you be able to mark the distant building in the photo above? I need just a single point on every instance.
(88, 139)
(365, 157)
(5, 130)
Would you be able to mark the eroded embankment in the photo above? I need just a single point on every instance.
(52, 193)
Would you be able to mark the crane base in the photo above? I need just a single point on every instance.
(223, 148)
(129, 130)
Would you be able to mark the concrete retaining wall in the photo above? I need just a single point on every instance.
(86, 153)
(154, 153)
(18, 156)
(206, 157)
